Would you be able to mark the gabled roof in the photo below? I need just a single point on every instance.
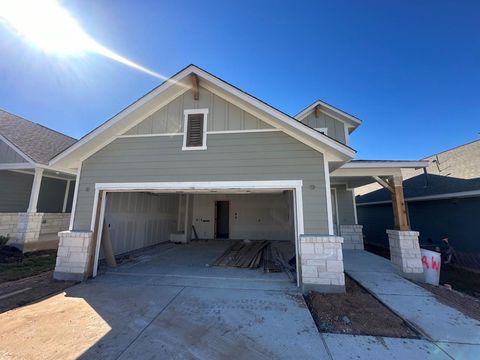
(36, 142)
(351, 121)
(177, 85)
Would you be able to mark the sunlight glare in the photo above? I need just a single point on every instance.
(48, 26)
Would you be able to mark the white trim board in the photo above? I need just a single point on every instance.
(219, 132)
(294, 185)
(461, 194)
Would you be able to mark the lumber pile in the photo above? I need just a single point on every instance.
(254, 255)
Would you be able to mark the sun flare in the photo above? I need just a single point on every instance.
(51, 28)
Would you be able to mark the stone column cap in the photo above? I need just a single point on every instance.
(321, 238)
(403, 232)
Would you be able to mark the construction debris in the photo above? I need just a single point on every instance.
(254, 255)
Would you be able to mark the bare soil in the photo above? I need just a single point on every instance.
(466, 304)
(356, 312)
(30, 289)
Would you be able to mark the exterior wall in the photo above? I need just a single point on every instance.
(229, 157)
(14, 191)
(8, 155)
(16, 187)
(375, 220)
(346, 207)
(435, 219)
(8, 224)
(53, 223)
(52, 194)
(222, 116)
(252, 216)
(138, 220)
(336, 128)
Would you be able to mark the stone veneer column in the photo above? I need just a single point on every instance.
(405, 252)
(28, 229)
(352, 236)
(321, 260)
(73, 255)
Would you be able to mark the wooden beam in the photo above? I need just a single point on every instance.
(383, 183)
(317, 111)
(398, 204)
(195, 84)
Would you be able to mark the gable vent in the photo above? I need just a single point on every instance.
(194, 130)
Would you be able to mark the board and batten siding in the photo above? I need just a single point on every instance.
(229, 157)
(336, 129)
(346, 207)
(8, 155)
(222, 116)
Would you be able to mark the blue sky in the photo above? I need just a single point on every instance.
(409, 69)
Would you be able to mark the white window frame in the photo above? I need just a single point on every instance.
(185, 127)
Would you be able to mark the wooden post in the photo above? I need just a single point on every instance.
(395, 186)
(398, 204)
(317, 111)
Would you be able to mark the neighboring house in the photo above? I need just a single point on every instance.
(443, 201)
(198, 157)
(35, 199)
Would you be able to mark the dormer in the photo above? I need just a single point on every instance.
(329, 120)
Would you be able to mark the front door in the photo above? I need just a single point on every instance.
(222, 210)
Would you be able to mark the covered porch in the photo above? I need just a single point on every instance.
(36, 204)
(403, 241)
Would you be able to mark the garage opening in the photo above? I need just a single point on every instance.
(183, 233)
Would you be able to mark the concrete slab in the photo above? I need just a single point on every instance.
(437, 321)
(361, 260)
(96, 319)
(351, 347)
(388, 284)
(461, 351)
(231, 324)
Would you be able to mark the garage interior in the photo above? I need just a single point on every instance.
(181, 235)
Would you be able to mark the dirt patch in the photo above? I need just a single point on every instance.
(466, 304)
(14, 266)
(356, 312)
(30, 289)
(465, 281)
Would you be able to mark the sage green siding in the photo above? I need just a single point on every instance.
(222, 116)
(336, 128)
(15, 191)
(346, 207)
(229, 157)
(8, 155)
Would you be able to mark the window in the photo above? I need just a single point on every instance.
(195, 129)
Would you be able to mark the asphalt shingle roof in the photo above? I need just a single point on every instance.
(39, 143)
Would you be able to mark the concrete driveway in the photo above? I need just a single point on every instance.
(142, 311)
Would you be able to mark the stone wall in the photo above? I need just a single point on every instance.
(352, 237)
(8, 224)
(53, 223)
(322, 263)
(73, 254)
(405, 252)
